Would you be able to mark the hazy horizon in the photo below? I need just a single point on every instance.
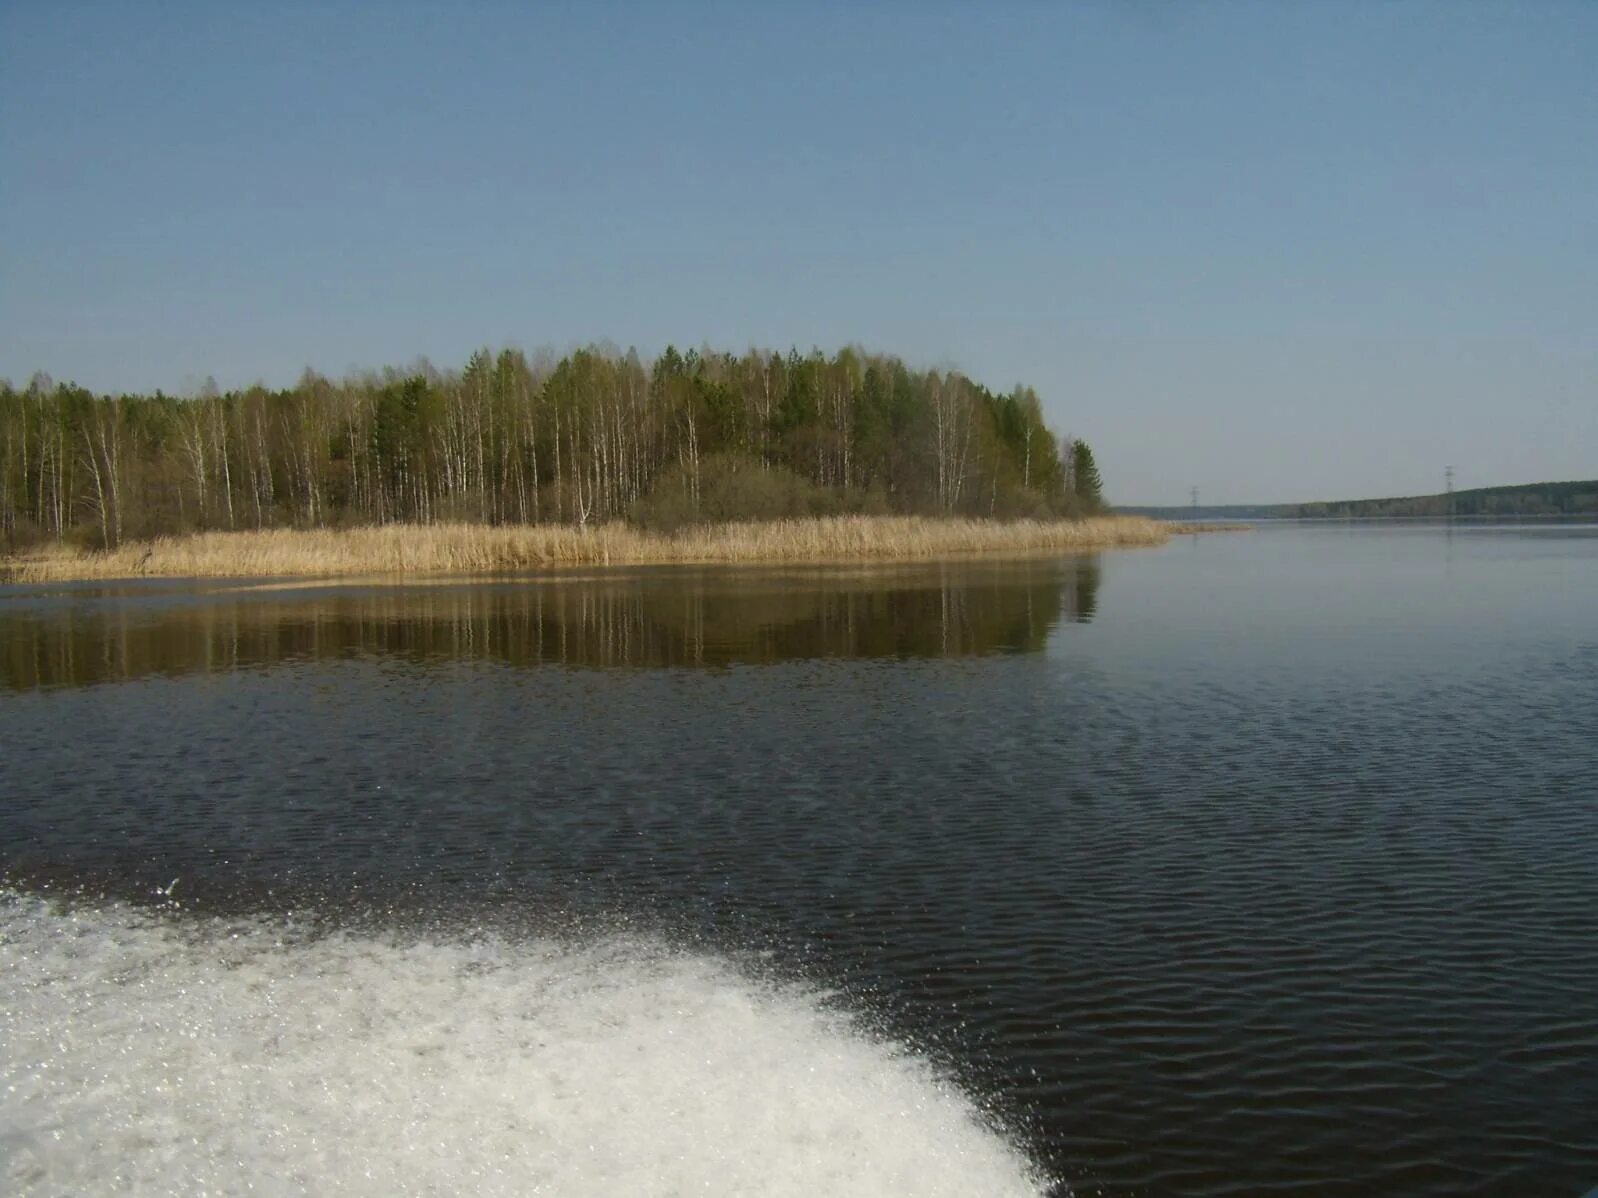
(1281, 254)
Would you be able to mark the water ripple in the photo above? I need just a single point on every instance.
(1197, 913)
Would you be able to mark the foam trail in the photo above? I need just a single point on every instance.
(148, 1055)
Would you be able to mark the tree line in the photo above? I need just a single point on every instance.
(1527, 499)
(597, 435)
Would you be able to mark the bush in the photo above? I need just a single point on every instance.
(735, 486)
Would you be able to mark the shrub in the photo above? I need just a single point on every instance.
(735, 486)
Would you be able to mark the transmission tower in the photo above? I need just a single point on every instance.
(1448, 491)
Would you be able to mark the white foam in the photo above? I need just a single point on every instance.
(146, 1055)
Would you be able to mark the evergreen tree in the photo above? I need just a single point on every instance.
(1086, 484)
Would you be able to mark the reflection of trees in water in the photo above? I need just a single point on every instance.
(665, 619)
(1085, 590)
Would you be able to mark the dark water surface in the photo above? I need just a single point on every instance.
(1260, 863)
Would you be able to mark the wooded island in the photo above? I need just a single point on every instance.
(594, 439)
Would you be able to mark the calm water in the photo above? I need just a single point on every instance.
(1260, 863)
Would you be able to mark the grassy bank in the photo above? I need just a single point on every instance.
(481, 549)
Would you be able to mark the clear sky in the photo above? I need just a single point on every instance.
(1278, 251)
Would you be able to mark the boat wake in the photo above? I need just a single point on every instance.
(151, 1053)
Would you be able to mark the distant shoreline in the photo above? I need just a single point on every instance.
(432, 549)
(1520, 501)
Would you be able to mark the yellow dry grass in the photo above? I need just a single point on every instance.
(484, 549)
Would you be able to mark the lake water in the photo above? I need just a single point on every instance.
(1262, 863)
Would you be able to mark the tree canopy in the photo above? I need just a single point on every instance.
(1086, 485)
(596, 435)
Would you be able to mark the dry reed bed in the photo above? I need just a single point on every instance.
(478, 549)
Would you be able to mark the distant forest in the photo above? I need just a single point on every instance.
(1530, 499)
(1527, 499)
(597, 435)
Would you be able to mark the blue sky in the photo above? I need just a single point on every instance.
(1277, 251)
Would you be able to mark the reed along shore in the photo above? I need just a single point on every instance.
(489, 549)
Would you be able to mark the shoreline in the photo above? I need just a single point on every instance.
(466, 549)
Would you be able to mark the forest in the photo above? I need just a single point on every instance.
(592, 437)
(1527, 499)
(1545, 499)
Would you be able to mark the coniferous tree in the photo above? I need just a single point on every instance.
(1086, 484)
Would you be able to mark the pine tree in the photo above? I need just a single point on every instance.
(1086, 484)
